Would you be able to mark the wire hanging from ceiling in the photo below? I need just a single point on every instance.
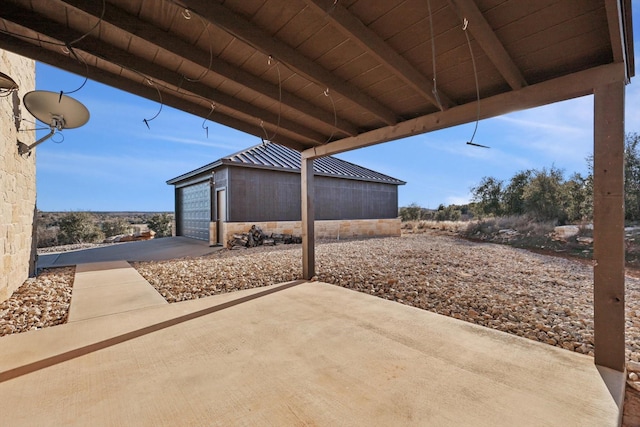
(206, 29)
(66, 48)
(335, 114)
(148, 79)
(465, 26)
(71, 51)
(206, 128)
(104, 7)
(146, 121)
(269, 60)
(158, 85)
(434, 90)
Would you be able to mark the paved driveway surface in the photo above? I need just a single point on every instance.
(148, 250)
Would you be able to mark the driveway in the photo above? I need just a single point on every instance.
(147, 250)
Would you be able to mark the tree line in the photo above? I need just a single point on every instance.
(87, 227)
(543, 195)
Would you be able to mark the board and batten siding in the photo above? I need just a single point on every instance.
(268, 195)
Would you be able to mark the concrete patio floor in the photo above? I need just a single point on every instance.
(302, 353)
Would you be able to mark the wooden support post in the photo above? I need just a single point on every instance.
(608, 226)
(308, 232)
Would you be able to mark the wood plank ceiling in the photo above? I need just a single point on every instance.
(330, 75)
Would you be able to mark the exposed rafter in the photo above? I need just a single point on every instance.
(566, 87)
(242, 29)
(68, 63)
(151, 34)
(376, 47)
(489, 42)
(617, 33)
(358, 64)
(156, 72)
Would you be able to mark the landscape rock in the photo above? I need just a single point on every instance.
(585, 240)
(40, 302)
(542, 298)
(564, 232)
(538, 297)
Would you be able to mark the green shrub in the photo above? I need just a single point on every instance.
(115, 227)
(161, 224)
(78, 227)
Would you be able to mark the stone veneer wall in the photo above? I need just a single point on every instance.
(17, 179)
(334, 229)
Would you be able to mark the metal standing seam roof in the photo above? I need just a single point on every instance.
(278, 157)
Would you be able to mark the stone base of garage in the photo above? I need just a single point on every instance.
(327, 229)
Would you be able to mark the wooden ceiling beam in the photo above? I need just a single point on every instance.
(151, 34)
(489, 42)
(550, 91)
(244, 30)
(155, 72)
(368, 40)
(618, 32)
(67, 63)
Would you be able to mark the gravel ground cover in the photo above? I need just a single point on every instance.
(539, 297)
(40, 302)
(535, 296)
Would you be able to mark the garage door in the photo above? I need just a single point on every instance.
(195, 210)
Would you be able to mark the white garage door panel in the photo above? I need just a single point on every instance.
(195, 210)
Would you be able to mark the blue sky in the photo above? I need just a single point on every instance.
(114, 163)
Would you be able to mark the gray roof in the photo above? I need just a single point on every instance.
(277, 157)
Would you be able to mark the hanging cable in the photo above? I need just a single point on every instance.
(433, 58)
(86, 74)
(465, 25)
(146, 121)
(335, 115)
(157, 85)
(269, 60)
(31, 39)
(213, 107)
(104, 6)
(206, 29)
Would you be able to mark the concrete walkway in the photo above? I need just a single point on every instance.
(149, 250)
(293, 354)
(112, 287)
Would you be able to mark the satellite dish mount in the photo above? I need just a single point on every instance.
(56, 110)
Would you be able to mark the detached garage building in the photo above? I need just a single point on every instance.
(261, 186)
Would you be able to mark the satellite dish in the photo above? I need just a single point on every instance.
(56, 110)
(7, 84)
